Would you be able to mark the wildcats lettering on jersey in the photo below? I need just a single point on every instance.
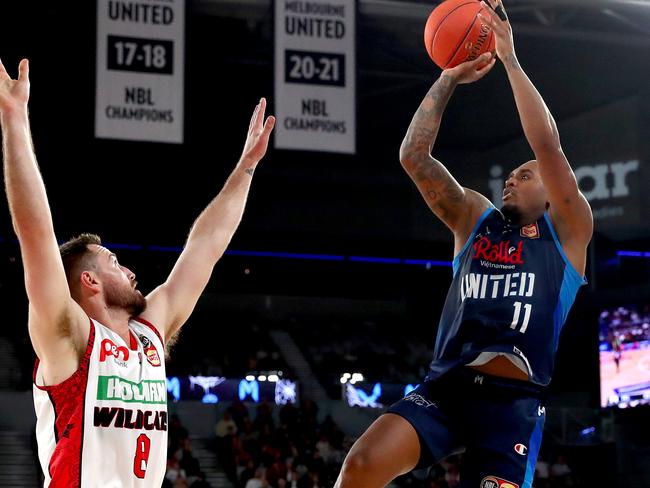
(116, 388)
(122, 418)
(476, 285)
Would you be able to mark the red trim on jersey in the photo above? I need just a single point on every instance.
(151, 326)
(68, 401)
(133, 341)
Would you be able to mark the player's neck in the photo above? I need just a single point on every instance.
(116, 319)
(521, 219)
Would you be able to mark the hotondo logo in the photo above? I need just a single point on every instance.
(502, 252)
(108, 348)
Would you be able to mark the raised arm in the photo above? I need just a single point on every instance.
(569, 209)
(457, 207)
(169, 305)
(56, 324)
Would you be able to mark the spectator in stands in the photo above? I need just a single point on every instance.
(200, 482)
(560, 472)
(226, 426)
(542, 473)
(258, 481)
(175, 475)
(247, 473)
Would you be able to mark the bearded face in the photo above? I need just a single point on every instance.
(125, 296)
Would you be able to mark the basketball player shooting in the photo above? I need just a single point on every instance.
(99, 381)
(516, 273)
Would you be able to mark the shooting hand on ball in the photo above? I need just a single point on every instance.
(471, 71)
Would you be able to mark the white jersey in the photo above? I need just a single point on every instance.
(106, 425)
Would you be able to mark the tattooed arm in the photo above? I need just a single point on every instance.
(459, 208)
(569, 209)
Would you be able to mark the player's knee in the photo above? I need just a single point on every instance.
(355, 465)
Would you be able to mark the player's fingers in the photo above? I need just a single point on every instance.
(3, 71)
(23, 70)
(490, 17)
(260, 115)
(268, 125)
(483, 58)
(481, 72)
(251, 124)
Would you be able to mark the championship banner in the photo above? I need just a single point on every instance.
(315, 75)
(140, 70)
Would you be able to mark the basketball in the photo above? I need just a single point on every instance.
(454, 33)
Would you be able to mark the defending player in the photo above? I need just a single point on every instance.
(99, 382)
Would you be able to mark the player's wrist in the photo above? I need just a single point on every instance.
(510, 60)
(449, 77)
(14, 114)
(247, 165)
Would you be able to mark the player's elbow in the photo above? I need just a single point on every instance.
(409, 157)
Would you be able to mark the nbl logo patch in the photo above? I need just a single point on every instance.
(494, 482)
(531, 231)
(150, 351)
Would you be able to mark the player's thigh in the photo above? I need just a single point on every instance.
(504, 445)
(390, 447)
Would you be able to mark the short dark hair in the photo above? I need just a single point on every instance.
(77, 257)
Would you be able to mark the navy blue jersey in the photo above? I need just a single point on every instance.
(511, 293)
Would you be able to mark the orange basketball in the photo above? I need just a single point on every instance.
(455, 34)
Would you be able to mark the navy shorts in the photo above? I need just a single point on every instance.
(497, 422)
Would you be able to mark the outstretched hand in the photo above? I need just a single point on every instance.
(259, 131)
(14, 94)
(502, 29)
(471, 71)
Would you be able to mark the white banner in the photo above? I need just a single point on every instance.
(140, 70)
(315, 75)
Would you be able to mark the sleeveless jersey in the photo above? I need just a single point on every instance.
(106, 425)
(511, 293)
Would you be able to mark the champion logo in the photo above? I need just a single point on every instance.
(501, 252)
(521, 449)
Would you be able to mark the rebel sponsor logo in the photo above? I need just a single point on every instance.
(108, 348)
(124, 418)
(146, 391)
(501, 252)
(521, 449)
(150, 351)
(494, 482)
(530, 231)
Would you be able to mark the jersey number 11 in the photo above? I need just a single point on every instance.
(528, 308)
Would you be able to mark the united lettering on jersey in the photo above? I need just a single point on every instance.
(115, 402)
(511, 292)
(496, 286)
